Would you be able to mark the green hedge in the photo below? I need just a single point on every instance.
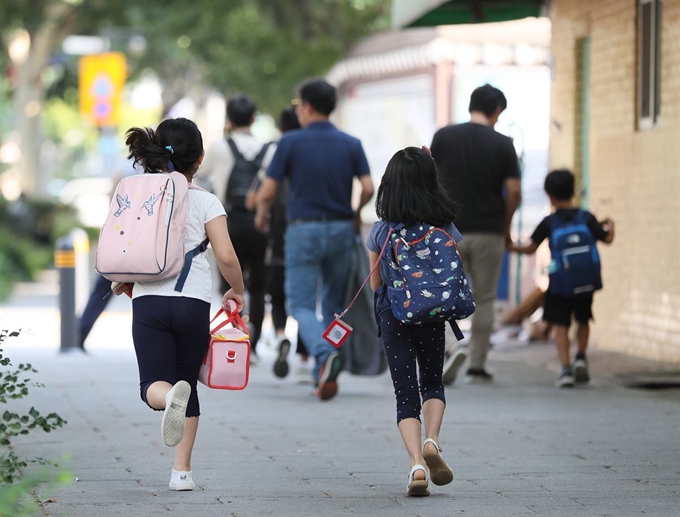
(28, 232)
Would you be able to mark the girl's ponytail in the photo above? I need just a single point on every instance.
(176, 144)
(145, 150)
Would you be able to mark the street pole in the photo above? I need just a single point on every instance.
(65, 261)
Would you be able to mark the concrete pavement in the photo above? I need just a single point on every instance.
(517, 447)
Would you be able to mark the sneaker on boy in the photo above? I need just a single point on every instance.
(566, 378)
(181, 480)
(581, 374)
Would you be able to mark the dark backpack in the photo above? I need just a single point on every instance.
(242, 177)
(426, 282)
(575, 265)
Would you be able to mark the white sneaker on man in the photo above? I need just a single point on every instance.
(452, 364)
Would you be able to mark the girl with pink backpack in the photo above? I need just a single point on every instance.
(171, 315)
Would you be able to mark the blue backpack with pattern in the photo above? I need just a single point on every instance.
(427, 283)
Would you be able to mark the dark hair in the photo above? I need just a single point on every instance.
(560, 184)
(288, 120)
(241, 110)
(487, 99)
(175, 144)
(319, 94)
(411, 191)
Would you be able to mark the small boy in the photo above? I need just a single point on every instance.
(574, 270)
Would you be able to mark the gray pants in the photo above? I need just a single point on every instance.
(482, 261)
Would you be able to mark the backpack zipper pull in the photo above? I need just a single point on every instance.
(170, 196)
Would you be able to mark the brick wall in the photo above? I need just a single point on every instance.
(634, 174)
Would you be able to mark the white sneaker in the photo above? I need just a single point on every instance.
(303, 375)
(172, 425)
(181, 480)
(452, 364)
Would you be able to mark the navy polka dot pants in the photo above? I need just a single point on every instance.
(408, 347)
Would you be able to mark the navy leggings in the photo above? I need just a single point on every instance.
(171, 336)
(408, 347)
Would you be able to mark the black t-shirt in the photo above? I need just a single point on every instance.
(544, 229)
(474, 161)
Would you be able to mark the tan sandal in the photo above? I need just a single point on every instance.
(417, 487)
(440, 472)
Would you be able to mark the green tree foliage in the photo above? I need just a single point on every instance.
(268, 46)
(263, 47)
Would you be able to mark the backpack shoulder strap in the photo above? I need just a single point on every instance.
(188, 258)
(260, 156)
(234, 149)
(456, 330)
(581, 216)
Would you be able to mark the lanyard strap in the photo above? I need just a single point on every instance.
(370, 274)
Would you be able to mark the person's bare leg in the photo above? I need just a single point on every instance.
(184, 448)
(155, 394)
(562, 343)
(433, 414)
(410, 433)
(582, 336)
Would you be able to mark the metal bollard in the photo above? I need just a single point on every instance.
(65, 261)
(81, 246)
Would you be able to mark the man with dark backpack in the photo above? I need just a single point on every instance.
(574, 271)
(233, 164)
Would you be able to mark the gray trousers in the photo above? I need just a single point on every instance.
(482, 261)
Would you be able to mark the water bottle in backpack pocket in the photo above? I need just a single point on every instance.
(575, 263)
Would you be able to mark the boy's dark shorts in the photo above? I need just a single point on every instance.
(559, 310)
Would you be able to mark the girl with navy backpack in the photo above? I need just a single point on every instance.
(411, 199)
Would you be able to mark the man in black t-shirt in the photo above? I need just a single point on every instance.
(479, 170)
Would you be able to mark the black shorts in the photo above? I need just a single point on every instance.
(559, 310)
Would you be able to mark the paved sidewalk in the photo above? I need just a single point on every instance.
(517, 447)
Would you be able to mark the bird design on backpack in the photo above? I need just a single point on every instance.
(149, 203)
(123, 203)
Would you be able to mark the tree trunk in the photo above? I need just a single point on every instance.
(29, 96)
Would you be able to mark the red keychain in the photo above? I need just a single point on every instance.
(337, 332)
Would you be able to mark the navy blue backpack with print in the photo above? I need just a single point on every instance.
(575, 265)
(426, 282)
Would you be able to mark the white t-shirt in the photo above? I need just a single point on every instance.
(219, 160)
(203, 207)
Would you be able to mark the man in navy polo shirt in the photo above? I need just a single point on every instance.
(320, 163)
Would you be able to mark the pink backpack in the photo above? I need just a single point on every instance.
(142, 239)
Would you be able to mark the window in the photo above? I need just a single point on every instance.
(649, 63)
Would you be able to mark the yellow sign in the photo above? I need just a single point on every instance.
(101, 81)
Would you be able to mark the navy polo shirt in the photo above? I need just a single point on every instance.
(320, 163)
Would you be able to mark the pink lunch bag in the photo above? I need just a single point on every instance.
(226, 365)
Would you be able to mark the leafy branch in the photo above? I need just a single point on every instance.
(14, 385)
